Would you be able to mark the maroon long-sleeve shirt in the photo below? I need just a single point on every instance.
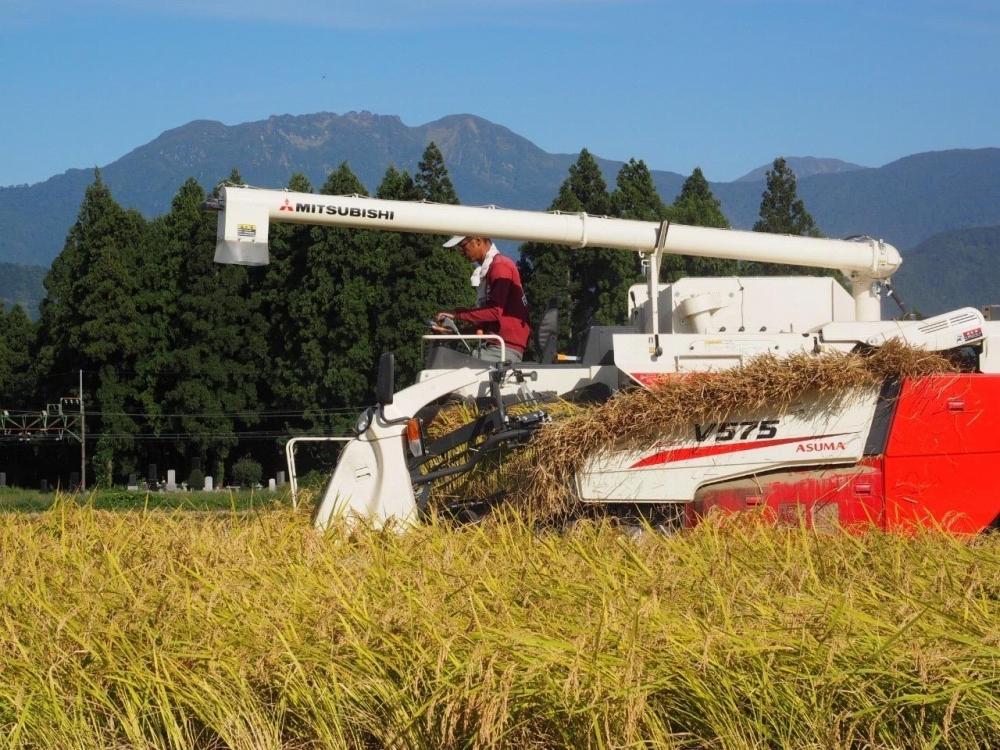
(505, 310)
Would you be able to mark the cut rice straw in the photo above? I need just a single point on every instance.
(634, 418)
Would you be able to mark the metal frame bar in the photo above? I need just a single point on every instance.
(290, 458)
(473, 337)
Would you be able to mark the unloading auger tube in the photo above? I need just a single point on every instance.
(247, 212)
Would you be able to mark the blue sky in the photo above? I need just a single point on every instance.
(724, 84)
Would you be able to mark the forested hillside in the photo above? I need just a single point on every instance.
(22, 285)
(904, 202)
(952, 269)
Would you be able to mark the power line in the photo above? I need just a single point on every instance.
(234, 414)
(147, 438)
(188, 435)
(339, 410)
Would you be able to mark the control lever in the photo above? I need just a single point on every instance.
(449, 323)
(500, 415)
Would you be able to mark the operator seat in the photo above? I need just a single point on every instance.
(547, 336)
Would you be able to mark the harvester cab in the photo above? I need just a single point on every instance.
(394, 467)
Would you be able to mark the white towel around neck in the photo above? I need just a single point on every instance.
(479, 273)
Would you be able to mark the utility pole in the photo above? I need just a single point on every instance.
(83, 441)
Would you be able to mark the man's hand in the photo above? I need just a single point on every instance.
(439, 323)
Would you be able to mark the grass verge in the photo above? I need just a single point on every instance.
(14, 500)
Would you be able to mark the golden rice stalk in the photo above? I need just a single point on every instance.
(252, 631)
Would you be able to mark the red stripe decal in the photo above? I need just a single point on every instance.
(649, 379)
(683, 454)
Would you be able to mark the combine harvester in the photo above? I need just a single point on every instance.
(912, 452)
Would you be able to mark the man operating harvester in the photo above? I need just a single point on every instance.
(501, 307)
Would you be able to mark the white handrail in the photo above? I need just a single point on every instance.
(470, 337)
(290, 458)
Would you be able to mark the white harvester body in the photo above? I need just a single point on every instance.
(692, 325)
(829, 431)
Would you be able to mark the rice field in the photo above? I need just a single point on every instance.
(166, 629)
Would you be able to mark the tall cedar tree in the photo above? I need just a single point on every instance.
(432, 180)
(17, 339)
(218, 343)
(358, 272)
(332, 312)
(782, 212)
(157, 299)
(423, 277)
(547, 276)
(400, 258)
(697, 206)
(90, 320)
(636, 197)
(580, 283)
(601, 277)
(289, 311)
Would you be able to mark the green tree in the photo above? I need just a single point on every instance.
(17, 388)
(357, 273)
(422, 277)
(432, 180)
(218, 345)
(397, 186)
(697, 206)
(157, 300)
(583, 284)
(782, 212)
(392, 331)
(290, 313)
(547, 276)
(333, 310)
(90, 320)
(635, 195)
(247, 472)
(17, 338)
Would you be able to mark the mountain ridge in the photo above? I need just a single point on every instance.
(904, 202)
(803, 166)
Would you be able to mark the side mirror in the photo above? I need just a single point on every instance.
(385, 381)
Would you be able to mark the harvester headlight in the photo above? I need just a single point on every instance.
(364, 421)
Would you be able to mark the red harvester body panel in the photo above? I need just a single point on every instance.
(825, 499)
(940, 468)
(942, 461)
